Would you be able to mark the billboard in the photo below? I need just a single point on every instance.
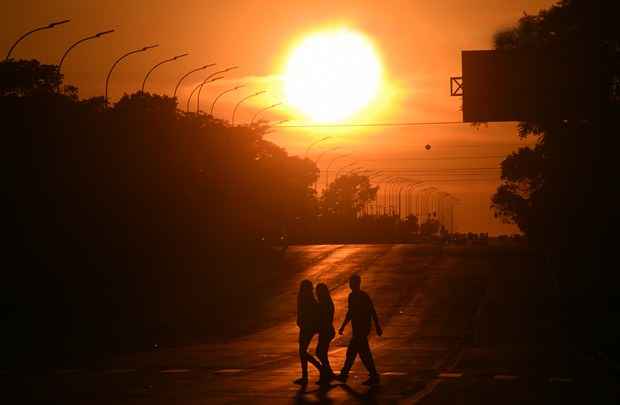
(527, 85)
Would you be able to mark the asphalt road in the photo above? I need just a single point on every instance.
(461, 326)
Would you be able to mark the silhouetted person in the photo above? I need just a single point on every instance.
(326, 330)
(307, 320)
(360, 312)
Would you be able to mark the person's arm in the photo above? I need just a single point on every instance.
(373, 313)
(347, 318)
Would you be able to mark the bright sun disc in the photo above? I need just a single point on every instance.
(332, 75)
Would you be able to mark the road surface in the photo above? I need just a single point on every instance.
(461, 325)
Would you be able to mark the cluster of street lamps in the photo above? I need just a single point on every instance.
(197, 89)
(401, 196)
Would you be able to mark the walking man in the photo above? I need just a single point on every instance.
(360, 312)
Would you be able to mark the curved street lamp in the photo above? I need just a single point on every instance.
(199, 88)
(393, 183)
(376, 173)
(411, 188)
(258, 93)
(107, 79)
(425, 201)
(221, 94)
(176, 88)
(159, 64)
(263, 110)
(407, 183)
(64, 55)
(50, 25)
(329, 167)
(344, 167)
(205, 81)
(316, 162)
(356, 170)
(388, 194)
(315, 143)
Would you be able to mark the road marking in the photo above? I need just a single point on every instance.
(120, 371)
(560, 380)
(450, 375)
(425, 391)
(175, 370)
(393, 373)
(430, 387)
(229, 371)
(505, 377)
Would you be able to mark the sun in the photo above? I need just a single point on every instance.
(331, 75)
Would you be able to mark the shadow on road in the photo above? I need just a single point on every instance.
(306, 396)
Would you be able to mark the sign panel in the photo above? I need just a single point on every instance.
(519, 85)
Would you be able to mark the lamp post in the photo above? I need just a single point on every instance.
(199, 88)
(387, 196)
(221, 94)
(64, 55)
(313, 144)
(50, 25)
(389, 189)
(400, 184)
(258, 93)
(407, 184)
(344, 167)
(443, 196)
(176, 88)
(107, 79)
(425, 201)
(159, 64)
(263, 110)
(355, 170)
(316, 162)
(410, 203)
(329, 167)
(209, 80)
(376, 173)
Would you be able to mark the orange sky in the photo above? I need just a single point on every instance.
(419, 43)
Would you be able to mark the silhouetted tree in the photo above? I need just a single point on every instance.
(559, 191)
(546, 188)
(108, 203)
(347, 196)
(27, 77)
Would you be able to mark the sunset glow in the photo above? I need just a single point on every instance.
(331, 75)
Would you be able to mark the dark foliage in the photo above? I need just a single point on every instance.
(129, 223)
(559, 192)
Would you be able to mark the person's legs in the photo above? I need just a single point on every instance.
(350, 358)
(304, 342)
(366, 356)
(369, 363)
(304, 356)
(322, 352)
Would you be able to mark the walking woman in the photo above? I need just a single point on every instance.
(307, 320)
(326, 330)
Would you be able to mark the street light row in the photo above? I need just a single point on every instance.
(211, 78)
(428, 201)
